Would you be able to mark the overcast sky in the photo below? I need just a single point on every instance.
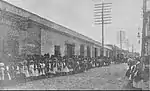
(78, 15)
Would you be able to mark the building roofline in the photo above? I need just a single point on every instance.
(24, 13)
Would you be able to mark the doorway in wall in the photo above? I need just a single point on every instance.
(70, 50)
(81, 50)
(95, 52)
(57, 50)
(100, 52)
(88, 51)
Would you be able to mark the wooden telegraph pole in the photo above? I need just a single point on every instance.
(102, 12)
(132, 49)
(120, 40)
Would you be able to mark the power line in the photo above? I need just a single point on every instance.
(103, 9)
(121, 40)
(102, 12)
(103, 20)
(104, 17)
(103, 23)
(102, 4)
(101, 15)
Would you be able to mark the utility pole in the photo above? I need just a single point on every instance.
(128, 44)
(132, 50)
(144, 27)
(3, 44)
(102, 12)
(120, 40)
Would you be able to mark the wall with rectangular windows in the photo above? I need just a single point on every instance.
(57, 50)
(50, 38)
(40, 36)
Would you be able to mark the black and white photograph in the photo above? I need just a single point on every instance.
(74, 44)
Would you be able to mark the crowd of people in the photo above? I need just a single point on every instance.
(34, 66)
(137, 73)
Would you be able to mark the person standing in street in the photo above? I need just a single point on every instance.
(137, 76)
(129, 73)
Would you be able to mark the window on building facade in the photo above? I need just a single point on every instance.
(81, 50)
(88, 51)
(95, 52)
(100, 52)
(57, 50)
(70, 50)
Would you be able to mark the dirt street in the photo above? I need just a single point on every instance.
(104, 78)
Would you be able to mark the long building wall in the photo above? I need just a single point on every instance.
(31, 37)
(35, 37)
(40, 40)
(49, 39)
(15, 41)
(5, 6)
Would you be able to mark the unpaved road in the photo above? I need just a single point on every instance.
(104, 78)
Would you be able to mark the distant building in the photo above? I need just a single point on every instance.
(116, 50)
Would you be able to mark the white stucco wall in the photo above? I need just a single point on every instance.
(49, 39)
